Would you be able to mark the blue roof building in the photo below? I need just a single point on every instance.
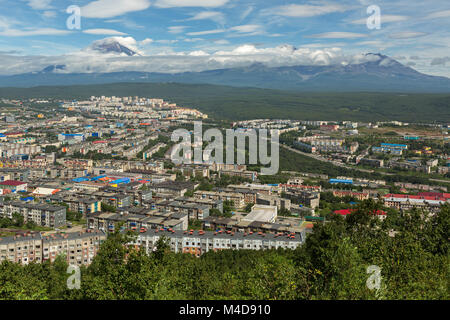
(341, 181)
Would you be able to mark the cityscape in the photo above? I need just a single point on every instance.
(260, 173)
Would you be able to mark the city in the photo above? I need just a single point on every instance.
(224, 158)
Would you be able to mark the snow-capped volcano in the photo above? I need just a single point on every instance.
(116, 45)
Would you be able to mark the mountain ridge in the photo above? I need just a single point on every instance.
(379, 74)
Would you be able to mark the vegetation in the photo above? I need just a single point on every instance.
(17, 222)
(108, 208)
(232, 103)
(332, 264)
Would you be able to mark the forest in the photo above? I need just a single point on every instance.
(410, 248)
(233, 103)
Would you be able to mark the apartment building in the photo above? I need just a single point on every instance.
(14, 185)
(79, 248)
(304, 197)
(273, 200)
(407, 202)
(345, 193)
(378, 163)
(212, 204)
(21, 248)
(175, 188)
(109, 222)
(82, 205)
(236, 198)
(252, 175)
(41, 214)
(9, 150)
(199, 242)
(193, 210)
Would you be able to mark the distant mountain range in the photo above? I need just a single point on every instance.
(381, 74)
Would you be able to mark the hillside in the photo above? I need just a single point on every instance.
(232, 103)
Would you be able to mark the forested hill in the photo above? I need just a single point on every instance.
(234, 103)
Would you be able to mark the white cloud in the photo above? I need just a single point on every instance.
(176, 29)
(166, 41)
(247, 28)
(407, 35)
(112, 8)
(192, 39)
(304, 10)
(385, 18)
(39, 4)
(222, 42)
(146, 41)
(246, 13)
(49, 14)
(190, 3)
(439, 14)
(164, 59)
(104, 32)
(209, 15)
(199, 53)
(33, 32)
(201, 33)
(168, 61)
(337, 35)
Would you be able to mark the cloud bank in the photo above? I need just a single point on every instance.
(92, 60)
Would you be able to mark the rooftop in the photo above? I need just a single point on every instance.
(12, 183)
(282, 236)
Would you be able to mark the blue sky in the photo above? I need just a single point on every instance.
(416, 33)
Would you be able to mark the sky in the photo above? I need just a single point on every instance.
(196, 35)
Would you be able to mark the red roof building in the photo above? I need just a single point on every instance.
(435, 194)
(346, 212)
(12, 183)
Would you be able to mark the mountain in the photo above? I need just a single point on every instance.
(113, 45)
(53, 68)
(378, 74)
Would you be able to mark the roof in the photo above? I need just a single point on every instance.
(345, 212)
(12, 183)
(262, 213)
(340, 181)
(45, 191)
(437, 197)
(435, 194)
(394, 145)
(286, 236)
